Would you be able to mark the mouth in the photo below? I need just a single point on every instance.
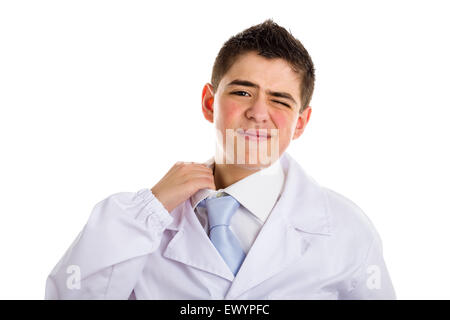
(254, 134)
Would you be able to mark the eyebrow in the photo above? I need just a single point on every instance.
(246, 83)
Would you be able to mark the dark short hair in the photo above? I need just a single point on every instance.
(269, 40)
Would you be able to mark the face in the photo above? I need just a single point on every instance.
(257, 105)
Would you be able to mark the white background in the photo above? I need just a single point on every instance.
(99, 97)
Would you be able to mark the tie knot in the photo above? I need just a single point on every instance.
(220, 210)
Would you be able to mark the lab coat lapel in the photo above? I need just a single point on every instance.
(192, 246)
(276, 246)
(300, 209)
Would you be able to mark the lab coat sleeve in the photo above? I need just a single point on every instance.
(371, 281)
(108, 255)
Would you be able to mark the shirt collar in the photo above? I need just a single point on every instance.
(257, 192)
(304, 203)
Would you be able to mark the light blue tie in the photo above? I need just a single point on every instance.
(220, 210)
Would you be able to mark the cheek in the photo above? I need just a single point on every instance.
(281, 121)
(229, 114)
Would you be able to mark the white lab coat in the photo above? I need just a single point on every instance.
(315, 244)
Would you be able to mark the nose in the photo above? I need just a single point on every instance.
(258, 111)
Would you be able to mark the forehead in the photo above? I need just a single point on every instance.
(272, 74)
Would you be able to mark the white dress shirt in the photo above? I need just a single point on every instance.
(257, 194)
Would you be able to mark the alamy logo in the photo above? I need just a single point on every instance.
(261, 146)
(73, 281)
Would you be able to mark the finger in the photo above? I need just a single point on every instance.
(205, 182)
(198, 168)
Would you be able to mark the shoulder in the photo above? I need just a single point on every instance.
(348, 221)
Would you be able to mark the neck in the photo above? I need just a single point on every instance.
(227, 174)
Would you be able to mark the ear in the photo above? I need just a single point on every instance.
(208, 102)
(302, 121)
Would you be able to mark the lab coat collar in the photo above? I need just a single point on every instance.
(308, 198)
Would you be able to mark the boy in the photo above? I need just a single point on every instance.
(247, 224)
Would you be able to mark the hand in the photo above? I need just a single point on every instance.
(182, 181)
